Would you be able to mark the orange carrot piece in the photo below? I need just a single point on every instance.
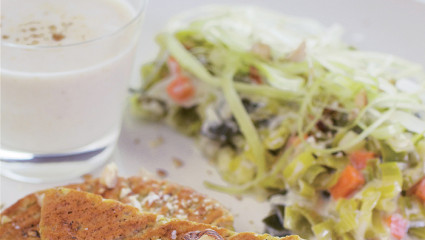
(359, 158)
(419, 189)
(180, 89)
(349, 181)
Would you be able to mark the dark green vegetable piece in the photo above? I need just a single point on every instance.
(274, 222)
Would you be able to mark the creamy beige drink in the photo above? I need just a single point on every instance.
(65, 70)
(61, 22)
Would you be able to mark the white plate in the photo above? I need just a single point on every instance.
(392, 26)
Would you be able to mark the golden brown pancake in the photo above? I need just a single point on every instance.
(70, 214)
(20, 221)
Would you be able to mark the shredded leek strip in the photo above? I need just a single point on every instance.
(306, 189)
(189, 62)
(300, 219)
(282, 161)
(347, 216)
(237, 189)
(304, 105)
(370, 106)
(369, 202)
(391, 174)
(317, 117)
(312, 173)
(418, 137)
(379, 227)
(417, 232)
(249, 132)
(298, 166)
(161, 59)
(268, 91)
(277, 168)
(244, 121)
(324, 230)
(366, 132)
(247, 127)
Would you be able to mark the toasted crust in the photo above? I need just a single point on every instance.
(149, 195)
(70, 214)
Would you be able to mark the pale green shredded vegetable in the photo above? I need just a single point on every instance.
(245, 123)
(283, 106)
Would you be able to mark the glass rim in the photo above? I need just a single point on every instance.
(139, 13)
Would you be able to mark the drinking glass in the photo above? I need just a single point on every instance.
(62, 103)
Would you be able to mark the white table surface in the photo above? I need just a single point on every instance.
(393, 26)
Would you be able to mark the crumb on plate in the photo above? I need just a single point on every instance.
(161, 173)
(178, 163)
(136, 141)
(156, 142)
